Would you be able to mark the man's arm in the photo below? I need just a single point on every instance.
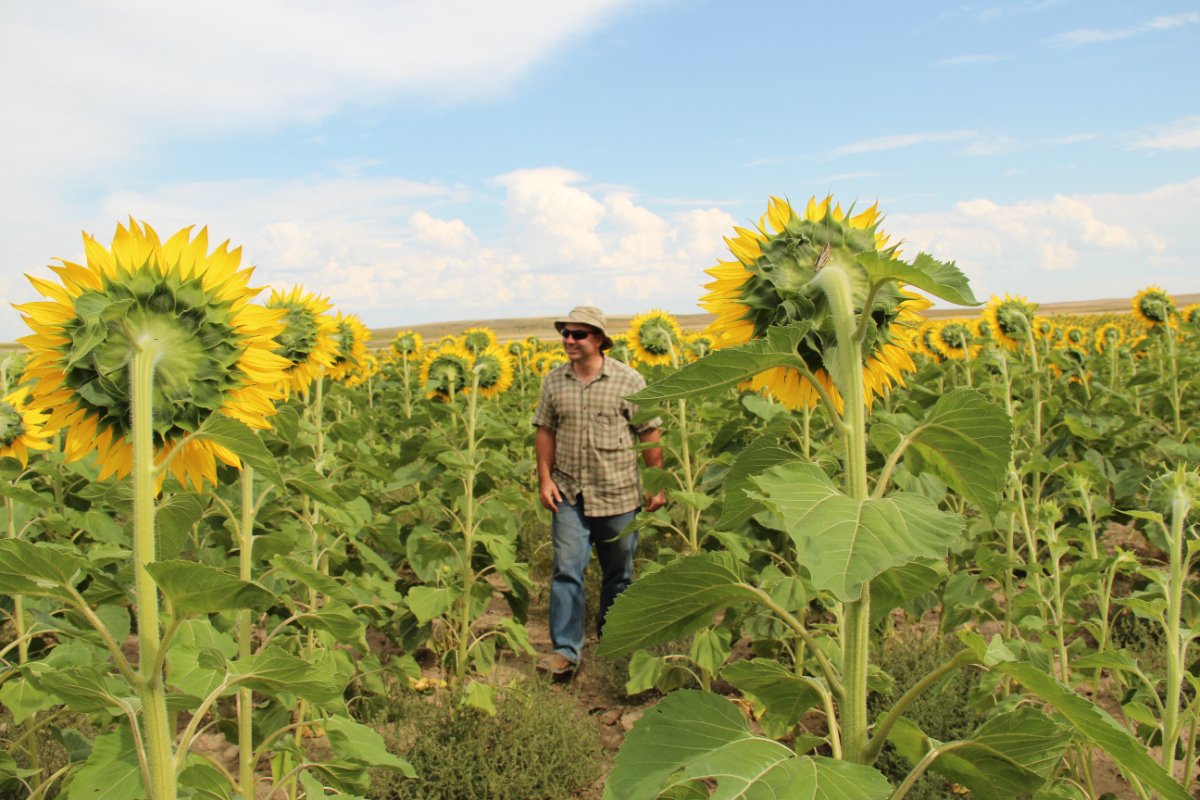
(653, 457)
(543, 445)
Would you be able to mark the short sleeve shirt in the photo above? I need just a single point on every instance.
(594, 436)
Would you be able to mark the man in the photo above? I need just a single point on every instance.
(588, 476)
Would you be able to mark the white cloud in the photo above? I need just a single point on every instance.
(1076, 138)
(1183, 134)
(452, 234)
(1066, 247)
(1085, 36)
(973, 58)
(898, 141)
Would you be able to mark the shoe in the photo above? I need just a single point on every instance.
(557, 666)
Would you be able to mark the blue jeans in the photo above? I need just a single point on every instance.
(574, 533)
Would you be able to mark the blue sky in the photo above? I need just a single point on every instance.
(462, 159)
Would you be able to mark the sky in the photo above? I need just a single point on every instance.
(470, 159)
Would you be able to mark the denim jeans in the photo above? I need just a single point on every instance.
(574, 534)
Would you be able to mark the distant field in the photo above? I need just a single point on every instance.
(543, 327)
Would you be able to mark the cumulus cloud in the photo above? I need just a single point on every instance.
(1069, 247)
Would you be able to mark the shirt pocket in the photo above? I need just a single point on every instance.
(611, 432)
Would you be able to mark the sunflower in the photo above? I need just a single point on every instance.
(654, 338)
(1044, 329)
(544, 362)
(307, 340)
(982, 329)
(1190, 315)
(923, 341)
(620, 349)
(1010, 319)
(446, 372)
(1108, 336)
(1153, 307)
(698, 345)
(770, 283)
(216, 350)
(368, 367)
(517, 349)
(408, 344)
(954, 338)
(476, 340)
(351, 341)
(21, 428)
(1076, 336)
(494, 372)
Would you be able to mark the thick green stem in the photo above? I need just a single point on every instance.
(158, 736)
(245, 701)
(468, 524)
(1176, 641)
(856, 618)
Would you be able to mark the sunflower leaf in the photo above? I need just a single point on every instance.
(730, 366)
(245, 443)
(758, 456)
(38, 570)
(942, 279)
(845, 543)
(198, 589)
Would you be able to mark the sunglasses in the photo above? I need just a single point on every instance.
(576, 335)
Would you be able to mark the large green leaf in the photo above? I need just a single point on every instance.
(1095, 725)
(671, 603)
(354, 741)
(274, 671)
(697, 736)
(898, 585)
(780, 696)
(1009, 756)
(81, 688)
(730, 366)
(939, 278)
(23, 699)
(244, 442)
(967, 440)
(760, 455)
(173, 519)
(38, 570)
(112, 771)
(845, 543)
(308, 481)
(198, 589)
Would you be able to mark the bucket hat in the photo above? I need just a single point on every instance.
(587, 315)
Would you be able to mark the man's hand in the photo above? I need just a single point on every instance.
(550, 495)
(656, 501)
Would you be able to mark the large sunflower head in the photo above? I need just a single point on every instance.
(216, 351)
(770, 282)
(476, 340)
(350, 339)
(655, 338)
(446, 372)
(307, 339)
(1153, 307)
(408, 344)
(494, 371)
(1011, 320)
(1190, 316)
(22, 428)
(954, 338)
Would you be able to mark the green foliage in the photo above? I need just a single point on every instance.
(536, 745)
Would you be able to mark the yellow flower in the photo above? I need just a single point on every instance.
(217, 349)
(923, 340)
(350, 339)
(476, 340)
(1191, 315)
(494, 370)
(1043, 329)
(654, 337)
(1109, 336)
(544, 362)
(408, 343)
(368, 367)
(307, 340)
(21, 428)
(446, 372)
(1076, 336)
(954, 338)
(769, 283)
(620, 349)
(1153, 307)
(1010, 320)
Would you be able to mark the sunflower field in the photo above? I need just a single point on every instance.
(234, 531)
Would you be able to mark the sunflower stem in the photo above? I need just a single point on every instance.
(157, 737)
(468, 528)
(245, 699)
(856, 616)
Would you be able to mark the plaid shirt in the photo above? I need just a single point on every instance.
(594, 436)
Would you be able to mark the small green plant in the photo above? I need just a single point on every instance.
(536, 745)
